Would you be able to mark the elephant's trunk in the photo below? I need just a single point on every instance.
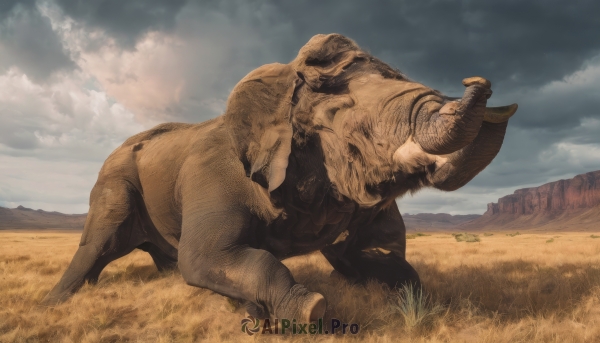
(461, 166)
(446, 129)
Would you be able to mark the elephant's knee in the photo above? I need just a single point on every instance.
(205, 273)
(191, 270)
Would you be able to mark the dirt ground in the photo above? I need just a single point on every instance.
(508, 287)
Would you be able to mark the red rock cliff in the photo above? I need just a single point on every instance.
(580, 192)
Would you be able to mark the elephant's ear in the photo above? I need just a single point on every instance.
(258, 117)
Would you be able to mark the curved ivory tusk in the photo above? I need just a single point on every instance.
(499, 114)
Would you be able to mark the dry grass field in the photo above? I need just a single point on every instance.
(531, 287)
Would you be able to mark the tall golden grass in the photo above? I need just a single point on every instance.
(523, 288)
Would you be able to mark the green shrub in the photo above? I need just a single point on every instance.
(550, 240)
(594, 236)
(513, 234)
(415, 235)
(466, 237)
(488, 234)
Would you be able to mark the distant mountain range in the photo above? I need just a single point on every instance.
(27, 218)
(572, 204)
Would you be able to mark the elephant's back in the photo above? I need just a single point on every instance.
(157, 131)
(159, 161)
(161, 147)
(151, 161)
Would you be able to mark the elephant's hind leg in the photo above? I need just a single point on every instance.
(108, 235)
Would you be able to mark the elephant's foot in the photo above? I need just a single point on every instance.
(315, 307)
(256, 311)
(51, 300)
(302, 305)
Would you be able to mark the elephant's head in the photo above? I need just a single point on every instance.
(381, 134)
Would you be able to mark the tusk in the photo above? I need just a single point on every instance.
(499, 114)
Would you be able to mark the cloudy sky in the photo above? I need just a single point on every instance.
(79, 77)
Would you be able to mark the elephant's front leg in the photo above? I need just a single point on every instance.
(213, 255)
(376, 251)
(386, 267)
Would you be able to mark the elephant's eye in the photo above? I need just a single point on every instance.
(315, 62)
(353, 62)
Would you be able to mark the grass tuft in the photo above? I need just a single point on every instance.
(550, 240)
(594, 236)
(417, 309)
(513, 234)
(488, 234)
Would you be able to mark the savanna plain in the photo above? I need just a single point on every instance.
(506, 287)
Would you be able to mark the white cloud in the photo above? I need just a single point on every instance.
(54, 138)
(579, 81)
(186, 74)
(183, 74)
(146, 80)
(464, 201)
(571, 156)
(63, 118)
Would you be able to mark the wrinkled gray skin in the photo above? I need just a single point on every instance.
(308, 156)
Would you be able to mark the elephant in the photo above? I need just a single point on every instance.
(307, 156)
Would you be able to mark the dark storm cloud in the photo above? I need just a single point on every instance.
(125, 20)
(519, 45)
(525, 48)
(514, 43)
(28, 42)
(7, 6)
(542, 54)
